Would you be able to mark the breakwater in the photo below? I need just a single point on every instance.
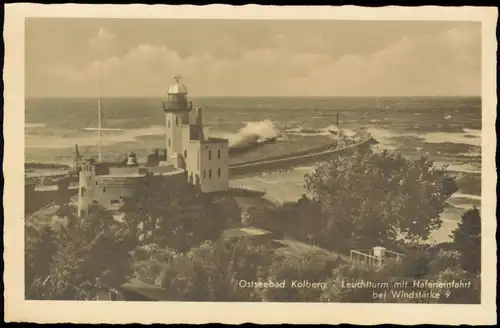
(46, 166)
(293, 160)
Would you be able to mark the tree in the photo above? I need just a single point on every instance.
(370, 199)
(40, 248)
(212, 271)
(291, 219)
(467, 240)
(149, 262)
(297, 269)
(176, 214)
(339, 290)
(93, 252)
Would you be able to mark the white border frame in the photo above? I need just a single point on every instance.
(17, 309)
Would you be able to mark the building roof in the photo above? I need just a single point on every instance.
(46, 211)
(177, 88)
(152, 292)
(289, 247)
(245, 232)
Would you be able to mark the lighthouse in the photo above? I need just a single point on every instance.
(205, 159)
(177, 109)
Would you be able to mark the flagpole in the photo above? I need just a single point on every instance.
(99, 114)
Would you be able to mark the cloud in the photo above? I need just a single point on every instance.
(440, 64)
(446, 64)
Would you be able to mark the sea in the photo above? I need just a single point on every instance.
(447, 130)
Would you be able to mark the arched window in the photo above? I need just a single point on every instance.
(210, 173)
(218, 172)
(218, 153)
(209, 155)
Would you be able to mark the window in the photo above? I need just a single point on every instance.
(177, 121)
(103, 190)
(209, 155)
(168, 123)
(218, 172)
(82, 191)
(169, 142)
(218, 153)
(204, 174)
(185, 154)
(114, 201)
(210, 173)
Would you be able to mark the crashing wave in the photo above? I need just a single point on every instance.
(253, 135)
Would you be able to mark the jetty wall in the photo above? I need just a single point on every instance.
(314, 150)
(271, 165)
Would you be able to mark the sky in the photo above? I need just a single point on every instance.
(138, 58)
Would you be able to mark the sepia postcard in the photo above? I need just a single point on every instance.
(256, 164)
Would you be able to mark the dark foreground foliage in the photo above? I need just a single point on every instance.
(171, 237)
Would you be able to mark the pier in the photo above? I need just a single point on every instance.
(287, 162)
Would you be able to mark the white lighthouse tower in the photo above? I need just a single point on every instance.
(204, 159)
(177, 109)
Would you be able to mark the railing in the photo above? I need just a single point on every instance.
(358, 257)
(397, 256)
(242, 187)
(369, 259)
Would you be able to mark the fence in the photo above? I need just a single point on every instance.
(245, 188)
(368, 258)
